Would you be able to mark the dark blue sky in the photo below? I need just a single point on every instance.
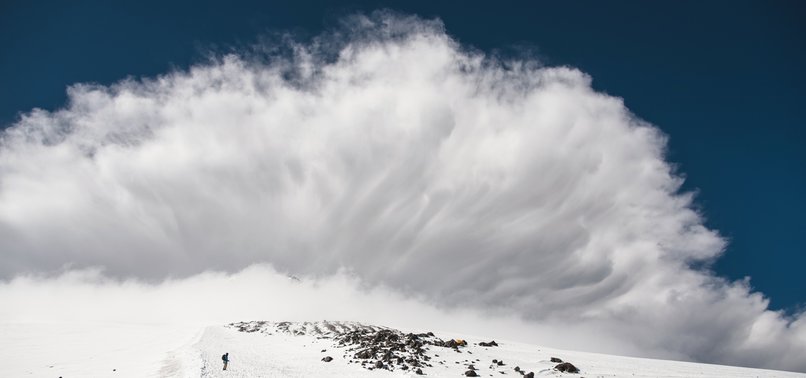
(725, 80)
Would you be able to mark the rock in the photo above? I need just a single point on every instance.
(529, 375)
(373, 347)
(495, 361)
(327, 359)
(471, 367)
(517, 368)
(567, 367)
(471, 373)
(555, 359)
(490, 344)
(500, 362)
(418, 371)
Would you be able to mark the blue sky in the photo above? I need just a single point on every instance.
(724, 80)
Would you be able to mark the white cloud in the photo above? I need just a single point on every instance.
(405, 159)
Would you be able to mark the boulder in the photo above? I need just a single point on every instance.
(566, 367)
(327, 359)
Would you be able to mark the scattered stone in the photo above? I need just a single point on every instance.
(517, 368)
(327, 359)
(529, 375)
(372, 346)
(490, 344)
(500, 362)
(471, 373)
(555, 359)
(567, 367)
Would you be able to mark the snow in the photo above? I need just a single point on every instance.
(89, 349)
(167, 350)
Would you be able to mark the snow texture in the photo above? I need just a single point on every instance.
(267, 349)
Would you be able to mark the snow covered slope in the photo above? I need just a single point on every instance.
(89, 349)
(268, 349)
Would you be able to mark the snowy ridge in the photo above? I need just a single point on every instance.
(352, 349)
(319, 329)
(373, 347)
(307, 349)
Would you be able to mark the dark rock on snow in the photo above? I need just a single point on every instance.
(567, 367)
(327, 359)
(555, 359)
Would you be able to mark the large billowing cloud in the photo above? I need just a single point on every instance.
(389, 150)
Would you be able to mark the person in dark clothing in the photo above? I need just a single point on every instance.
(225, 358)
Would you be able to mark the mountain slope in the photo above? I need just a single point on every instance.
(266, 349)
(285, 349)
